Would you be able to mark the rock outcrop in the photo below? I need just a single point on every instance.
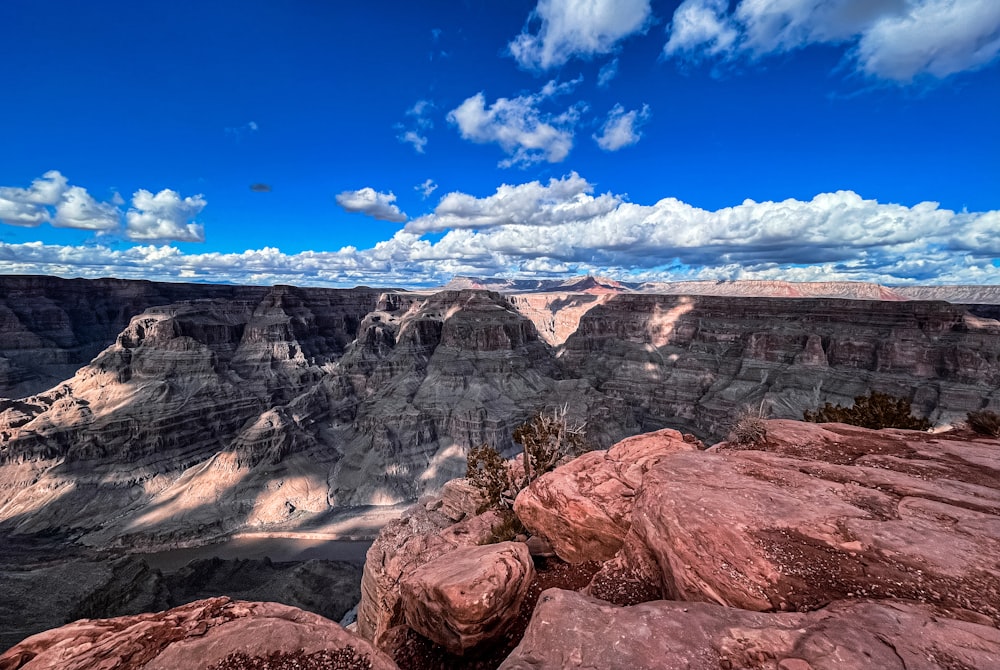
(570, 630)
(828, 512)
(434, 527)
(205, 635)
(469, 596)
(584, 508)
(825, 545)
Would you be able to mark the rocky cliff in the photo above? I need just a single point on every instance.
(820, 547)
(271, 408)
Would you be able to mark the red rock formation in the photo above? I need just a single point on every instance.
(468, 596)
(570, 630)
(198, 636)
(828, 512)
(584, 507)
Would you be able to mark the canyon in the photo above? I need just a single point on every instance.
(137, 416)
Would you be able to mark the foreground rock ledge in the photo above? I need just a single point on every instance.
(198, 636)
(570, 630)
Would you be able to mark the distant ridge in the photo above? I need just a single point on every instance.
(748, 288)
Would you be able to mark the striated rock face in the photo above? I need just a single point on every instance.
(468, 596)
(52, 326)
(693, 362)
(584, 508)
(270, 408)
(199, 636)
(570, 630)
(827, 512)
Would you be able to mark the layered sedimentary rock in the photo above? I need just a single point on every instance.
(270, 407)
(570, 630)
(827, 512)
(469, 596)
(584, 508)
(693, 362)
(205, 635)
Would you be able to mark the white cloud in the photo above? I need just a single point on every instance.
(607, 72)
(541, 229)
(414, 138)
(896, 40)
(426, 188)
(532, 204)
(29, 206)
(373, 203)
(419, 122)
(701, 25)
(621, 129)
(164, 216)
(577, 28)
(78, 209)
(525, 133)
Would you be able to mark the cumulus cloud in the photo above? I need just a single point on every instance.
(30, 206)
(896, 40)
(373, 203)
(426, 188)
(51, 199)
(563, 226)
(577, 28)
(78, 209)
(519, 126)
(621, 129)
(164, 216)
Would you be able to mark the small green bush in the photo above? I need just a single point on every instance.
(875, 410)
(984, 422)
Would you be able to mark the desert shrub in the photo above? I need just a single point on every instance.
(875, 410)
(984, 422)
(546, 439)
(487, 470)
(750, 430)
(508, 529)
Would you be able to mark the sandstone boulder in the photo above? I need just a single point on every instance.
(583, 508)
(431, 528)
(208, 634)
(832, 512)
(468, 596)
(570, 630)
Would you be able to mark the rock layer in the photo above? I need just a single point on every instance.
(584, 508)
(269, 408)
(198, 636)
(570, 630)
(469, 596)
(827, 512)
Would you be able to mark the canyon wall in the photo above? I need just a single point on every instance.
(235, 408)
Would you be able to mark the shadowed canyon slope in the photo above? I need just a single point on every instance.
(216, 409)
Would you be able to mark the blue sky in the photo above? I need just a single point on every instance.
(400, 143)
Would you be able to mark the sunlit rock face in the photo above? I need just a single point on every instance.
(692, 361)
(235, 408)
